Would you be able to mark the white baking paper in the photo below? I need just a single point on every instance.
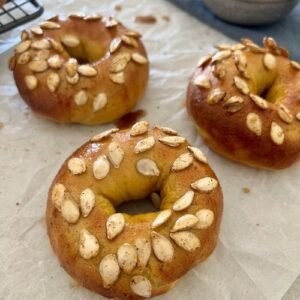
(258, 255)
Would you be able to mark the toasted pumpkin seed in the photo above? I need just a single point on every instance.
(115, 224)
(205, 184)
(88, 244)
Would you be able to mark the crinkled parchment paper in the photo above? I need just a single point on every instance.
(258, 253)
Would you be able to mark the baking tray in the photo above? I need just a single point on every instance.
(16, 12)
(286, 31)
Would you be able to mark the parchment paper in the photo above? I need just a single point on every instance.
(258, 253)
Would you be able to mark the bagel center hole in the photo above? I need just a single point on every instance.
(271, 90)
(135, 207)
(264, 93)
(87, 52)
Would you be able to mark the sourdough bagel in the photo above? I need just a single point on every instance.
(126, 256)
(81, 69)
(244, 101)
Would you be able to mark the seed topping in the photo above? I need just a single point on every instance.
(254, 123)
(143, 250)
(70, 40)
(104, 134)
(233, 104)
(202, 81)
(285, 114)
(53, 81)
(259, 101)
(81, 98)
(114, 225)
(127, 257)
(269, 61)
(88, 244)
(101, 167)
(186, 240)
(172, 141)
(70, 211)
(277, 134)
(31, 82)
(139, 128)
(144, 144)
(141, 286)
(215, 96)
(205, 184)
(184, 222)
(147, 167)
(138, 58)
(241, 85)
(115, 154)
(161, 218)
(76, 165)
(58, 195)
(184, 201)
(87, 201)
(182, 162)
(162, 247)
(109, 270)
(86, 70)
(205, 217)
(99, 102)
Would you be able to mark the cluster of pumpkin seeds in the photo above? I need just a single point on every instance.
(129, 256)
(35, 51)
(232, 104)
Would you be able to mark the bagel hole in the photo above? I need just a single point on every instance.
(136, 207)
(271, 91)
(265, 93)
(86, 53)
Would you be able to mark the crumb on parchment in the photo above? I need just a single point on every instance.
(145, 19)
(246, 190)
(118, 7)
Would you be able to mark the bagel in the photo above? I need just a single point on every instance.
(80, 69)
(125, 256)
(244, 101)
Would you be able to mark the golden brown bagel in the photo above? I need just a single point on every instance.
(245, 103)
(82, 69)
(126, 256)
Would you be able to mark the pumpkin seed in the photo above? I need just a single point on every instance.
(184, 201)
(101, 167)
(205, 184)
(186, 240)
(147, 167)
(109, 270)
(115, 224)
(161, 218)
(162, 247)
(88, 244)
(254, 123)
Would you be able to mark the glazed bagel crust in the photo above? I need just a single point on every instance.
(126, 183)
(87, 70)
(263, 133)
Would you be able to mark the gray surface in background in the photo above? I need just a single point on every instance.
(286, 31)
